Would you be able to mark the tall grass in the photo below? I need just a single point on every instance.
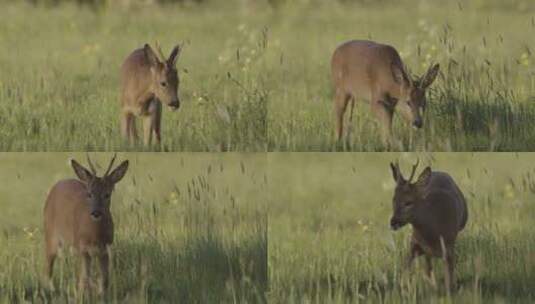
(482, 100)
(256, 76)
(329, 240)
(59, 83)
(188, 229)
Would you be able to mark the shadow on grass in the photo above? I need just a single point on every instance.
(489, 267)
(481, 125)
(202, 270)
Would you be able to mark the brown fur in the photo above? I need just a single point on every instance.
(146, 82)
(436, 208)
(374, 73)
(77, 214)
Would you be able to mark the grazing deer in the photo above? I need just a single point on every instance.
(146, 82)
(77, 214)
(374, 73)
(436, 209)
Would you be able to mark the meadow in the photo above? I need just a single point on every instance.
(189, 228)
(255, 75)
(481, 101)
(330, 240)
(59, 78)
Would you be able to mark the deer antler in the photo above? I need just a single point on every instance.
(401, 179)
(111, 165)
(414, 169)
(93, 170)
(159, 50)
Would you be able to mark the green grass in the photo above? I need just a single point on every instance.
(330, 242)
(189, 228)
(257, 78)
(481, 101)
(59, 84)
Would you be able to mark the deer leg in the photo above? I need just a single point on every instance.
(50, 259)
(147, 129)
(415, 252)
(51, 254)
(128, 127)
(340, 105)
(157, 121)
(384, 113)
(133, 130)
(104, 260)
(428, 266)
(450, 277)
(85, 272)
(429, 271)
(350, 124)
(125, 125)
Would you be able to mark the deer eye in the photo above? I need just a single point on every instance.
(163, 84)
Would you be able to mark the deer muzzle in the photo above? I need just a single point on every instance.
(174, 104)
(395, 223)
(96, 215)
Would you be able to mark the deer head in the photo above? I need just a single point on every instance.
(99, 189)
(165, 81)
(407, 195)
(412, 101)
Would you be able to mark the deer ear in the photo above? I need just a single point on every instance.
(82, 173)
(424, 177)
(150, 55)
(118, 173)
(399, 74)
(430, 76)
(173, 57)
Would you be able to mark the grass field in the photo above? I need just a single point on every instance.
(481, 101)
(189, 228)
(330, 241)
(257, 78)
(59, 78)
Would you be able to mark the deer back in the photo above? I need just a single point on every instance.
(361, 67)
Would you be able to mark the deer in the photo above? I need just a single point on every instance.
(436, 209)
(147, 81)
(77, 215)
(375, 74)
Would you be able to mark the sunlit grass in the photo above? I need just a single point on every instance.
(482, 99)
(329, 239)
(188, 229)
(59, 84)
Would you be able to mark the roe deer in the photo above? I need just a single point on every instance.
(435, 207)
(374, 73)
(77, 214)
(146, 82)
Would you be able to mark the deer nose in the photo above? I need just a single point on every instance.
(417, 123)
(96, 215)
(175, 104)
(395, 224)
